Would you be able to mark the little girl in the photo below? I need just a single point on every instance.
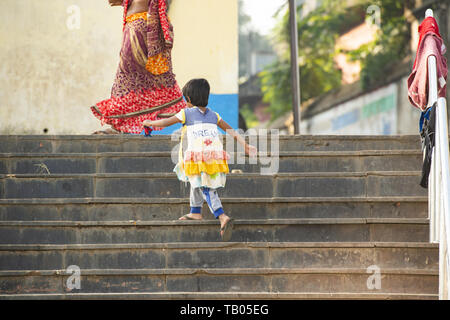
(204, 164)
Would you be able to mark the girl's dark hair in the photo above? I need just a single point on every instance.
(196, 91)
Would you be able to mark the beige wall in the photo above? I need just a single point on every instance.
(206, 42)
(50, 75)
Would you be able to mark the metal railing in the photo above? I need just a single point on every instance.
(439, 179)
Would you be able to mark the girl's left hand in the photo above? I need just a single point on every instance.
(251, 150)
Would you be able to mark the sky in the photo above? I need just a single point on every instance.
(261, 12)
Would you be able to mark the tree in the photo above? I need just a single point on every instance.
(388, 49)
(318, 32)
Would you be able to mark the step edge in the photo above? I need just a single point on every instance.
(132, 223)
(173, 175)
(95, 155)
(227, 295)
(221, 245)
(90, 200)
(221, 271)
(401, 137)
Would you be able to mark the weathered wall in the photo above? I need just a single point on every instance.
(385, 111)
(50, 74)
(51, 71)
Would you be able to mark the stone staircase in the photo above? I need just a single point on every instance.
(339, 206)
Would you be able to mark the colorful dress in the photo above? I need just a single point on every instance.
(145, 85)
(204, 162)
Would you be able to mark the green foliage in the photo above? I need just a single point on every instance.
(318, 32)
(276, 87)
(249, 116)
(389, 48)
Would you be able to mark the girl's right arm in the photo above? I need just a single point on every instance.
(161, 123)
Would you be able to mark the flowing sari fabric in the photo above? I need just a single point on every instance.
(145, 85)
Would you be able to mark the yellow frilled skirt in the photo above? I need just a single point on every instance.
(212, 167)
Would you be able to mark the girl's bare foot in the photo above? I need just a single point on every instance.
(107, 131)
(226, 227)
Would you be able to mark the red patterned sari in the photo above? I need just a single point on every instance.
(145, 85)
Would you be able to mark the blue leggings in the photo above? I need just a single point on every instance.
(199, 195)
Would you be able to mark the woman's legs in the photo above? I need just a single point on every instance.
(107, 131)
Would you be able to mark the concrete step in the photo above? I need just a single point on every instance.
(110, 204)
(385, 255)
(269, 280)
(148, 162)
(147, 209)
(257, 230)
(128, 143)
(223, 296)
(166, 185)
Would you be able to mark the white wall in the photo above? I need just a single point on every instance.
(385, 111)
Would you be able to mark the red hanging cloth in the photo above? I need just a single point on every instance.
(430, 44)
